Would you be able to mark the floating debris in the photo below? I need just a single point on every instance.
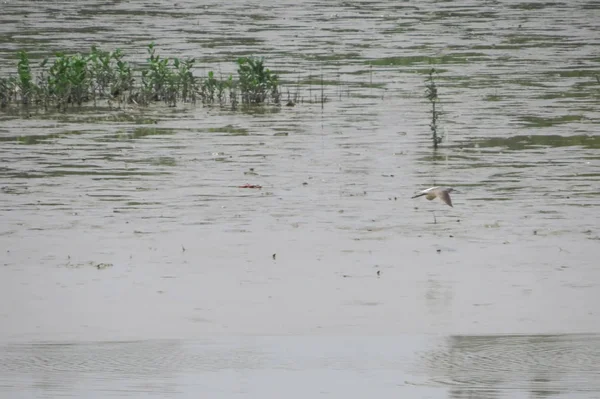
(97, 265)
(250, 186)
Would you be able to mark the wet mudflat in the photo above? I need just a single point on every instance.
(134, 264)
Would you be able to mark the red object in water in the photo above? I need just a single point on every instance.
(250, 186)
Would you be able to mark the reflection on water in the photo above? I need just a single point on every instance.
(563, 366)
(544, 365)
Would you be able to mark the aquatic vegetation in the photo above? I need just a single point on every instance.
(229, 130)
(25, 81)
(215, 90)
(69, 80)
(492, 97)
(431, 93)
(257, 83)
(416, 60)
(526, 142)
(539, 121)
(19, 88)
(167, 80)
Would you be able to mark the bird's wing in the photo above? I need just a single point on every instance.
(444, 196)
(427, 190)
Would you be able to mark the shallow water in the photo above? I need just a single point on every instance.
(130, 224)
(525, 366)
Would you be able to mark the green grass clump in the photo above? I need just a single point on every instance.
(110, 73)
(167, 80)
(76, 79)
(257, 83)
(213, 90)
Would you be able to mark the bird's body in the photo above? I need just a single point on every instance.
(442, 193)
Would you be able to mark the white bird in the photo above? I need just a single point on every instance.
(442, 193)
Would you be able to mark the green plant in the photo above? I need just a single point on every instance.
(109, 75)
(186, 82)
(100, 70)
(43, 89)
(156, 77)
(5, 92)
(257, 83)
(161, 82)
(68, 80)
(214, 89)
(431, 92)
(25, 80)
(124, 78)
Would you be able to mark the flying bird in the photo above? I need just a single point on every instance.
(442, 193)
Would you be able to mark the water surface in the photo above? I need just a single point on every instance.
(126, 231)
(518, 366)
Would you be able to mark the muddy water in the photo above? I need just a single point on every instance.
(413, 366)
(129, 250)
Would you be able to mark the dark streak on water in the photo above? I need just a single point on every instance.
(155, 192)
